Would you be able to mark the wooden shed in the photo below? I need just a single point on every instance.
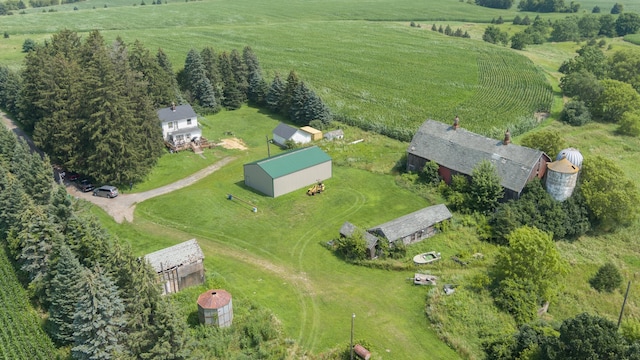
(178, 266)
(315, 133)
(288, 171)
(348, 229)
(413, 227)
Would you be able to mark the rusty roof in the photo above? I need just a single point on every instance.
(214, 299)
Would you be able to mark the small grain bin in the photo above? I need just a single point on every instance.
(215, 308)
(562, 176)
(362, 352)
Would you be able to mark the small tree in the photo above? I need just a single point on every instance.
(630, 123)
(608, 278)
(575, 113)
(617, 9)
(352, 247)
(28, 45)
(517, 20)
(485, 190)
(596, 10)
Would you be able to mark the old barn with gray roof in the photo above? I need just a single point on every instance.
(458, 151)
(413, 227)
(178, 266)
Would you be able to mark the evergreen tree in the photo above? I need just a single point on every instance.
(197, 82)
(210, 62)
(240, 73)
(88, 240)
(13, 202)
(292, 83)
(297, 112)
(10, 85)
(159, 87)
(251, 60)
(258, 88)
(8, 142)
(275, 96)
(35, 173)
(233, 95)
(98, 319)
(315, 109)
(59, 207)
(36, 242)
(167, 67)
(172, 334)
(64, 294)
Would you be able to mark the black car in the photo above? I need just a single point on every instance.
(85, 185)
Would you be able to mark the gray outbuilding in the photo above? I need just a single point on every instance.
(178, 266)
(348, 229)
(413, 227)
(289, 171)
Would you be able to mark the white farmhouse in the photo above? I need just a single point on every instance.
(179, 124)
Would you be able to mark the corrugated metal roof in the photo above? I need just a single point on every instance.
(184, 253)
(214, 299)
(411, 223)
(292, 161)
(462, 150)
(181, 112)
(284, 131)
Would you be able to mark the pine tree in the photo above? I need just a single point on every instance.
(167, 67)
(275, 95)
(8, 142)
(251, 60)
(233, 96)
(158, 85)
(258, 89)
(210, 62)
(292, 83)
(98, 319)
(59, 207)
(63, 295)
(316, 109)
(13, 202)
(197, 82)
(36, 242)
(297, 113)
(88, 240)
(240, 73)
(172, 334)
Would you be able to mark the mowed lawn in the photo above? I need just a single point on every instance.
(277, 258)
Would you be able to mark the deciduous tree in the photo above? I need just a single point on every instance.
(485, 190)
(617, 98)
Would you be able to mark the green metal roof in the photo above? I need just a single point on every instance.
(292, 161)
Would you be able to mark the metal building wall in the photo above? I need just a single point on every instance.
(302, 178)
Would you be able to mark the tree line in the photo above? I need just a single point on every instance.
(92, 106)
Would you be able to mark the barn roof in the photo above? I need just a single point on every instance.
(284, 131)
(292, 161)
(348, 229)
(461, 150)
(181, 112)
(184, 253)
(411, 223)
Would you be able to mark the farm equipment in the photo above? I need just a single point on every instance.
(316, 189)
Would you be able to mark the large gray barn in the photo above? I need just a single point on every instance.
(289, 171)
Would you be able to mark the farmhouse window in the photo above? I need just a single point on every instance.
(170, 125)
(188, 121)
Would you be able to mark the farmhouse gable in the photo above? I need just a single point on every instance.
(413, 227)
(179, 124)
(458, 151)
(178, 266)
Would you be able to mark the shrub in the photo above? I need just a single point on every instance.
(352, 247)
(630, 124)
(28, 45)
(317, 124)
(430, 173)
(575, 113)
(608, 278)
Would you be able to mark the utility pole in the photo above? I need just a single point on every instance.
(623, 303)
(353, 316)
(268, 147)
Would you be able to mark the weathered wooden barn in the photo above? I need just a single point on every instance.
(178, 266)
(288, 171)
(413, 227)
(348, 229)
(458, 151)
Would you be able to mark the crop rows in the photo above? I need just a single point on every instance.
(21, 335)
(506, 93)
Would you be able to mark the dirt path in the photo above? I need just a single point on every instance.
(122, 207)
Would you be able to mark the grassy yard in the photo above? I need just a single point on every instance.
(278, 253)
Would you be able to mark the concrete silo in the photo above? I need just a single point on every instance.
(215, 308)
(562, 176)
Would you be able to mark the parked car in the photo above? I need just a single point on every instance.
(107, 191)
(73, 176)
(85, 185)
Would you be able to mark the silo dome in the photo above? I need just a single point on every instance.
(215, 308)
(572, 154)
